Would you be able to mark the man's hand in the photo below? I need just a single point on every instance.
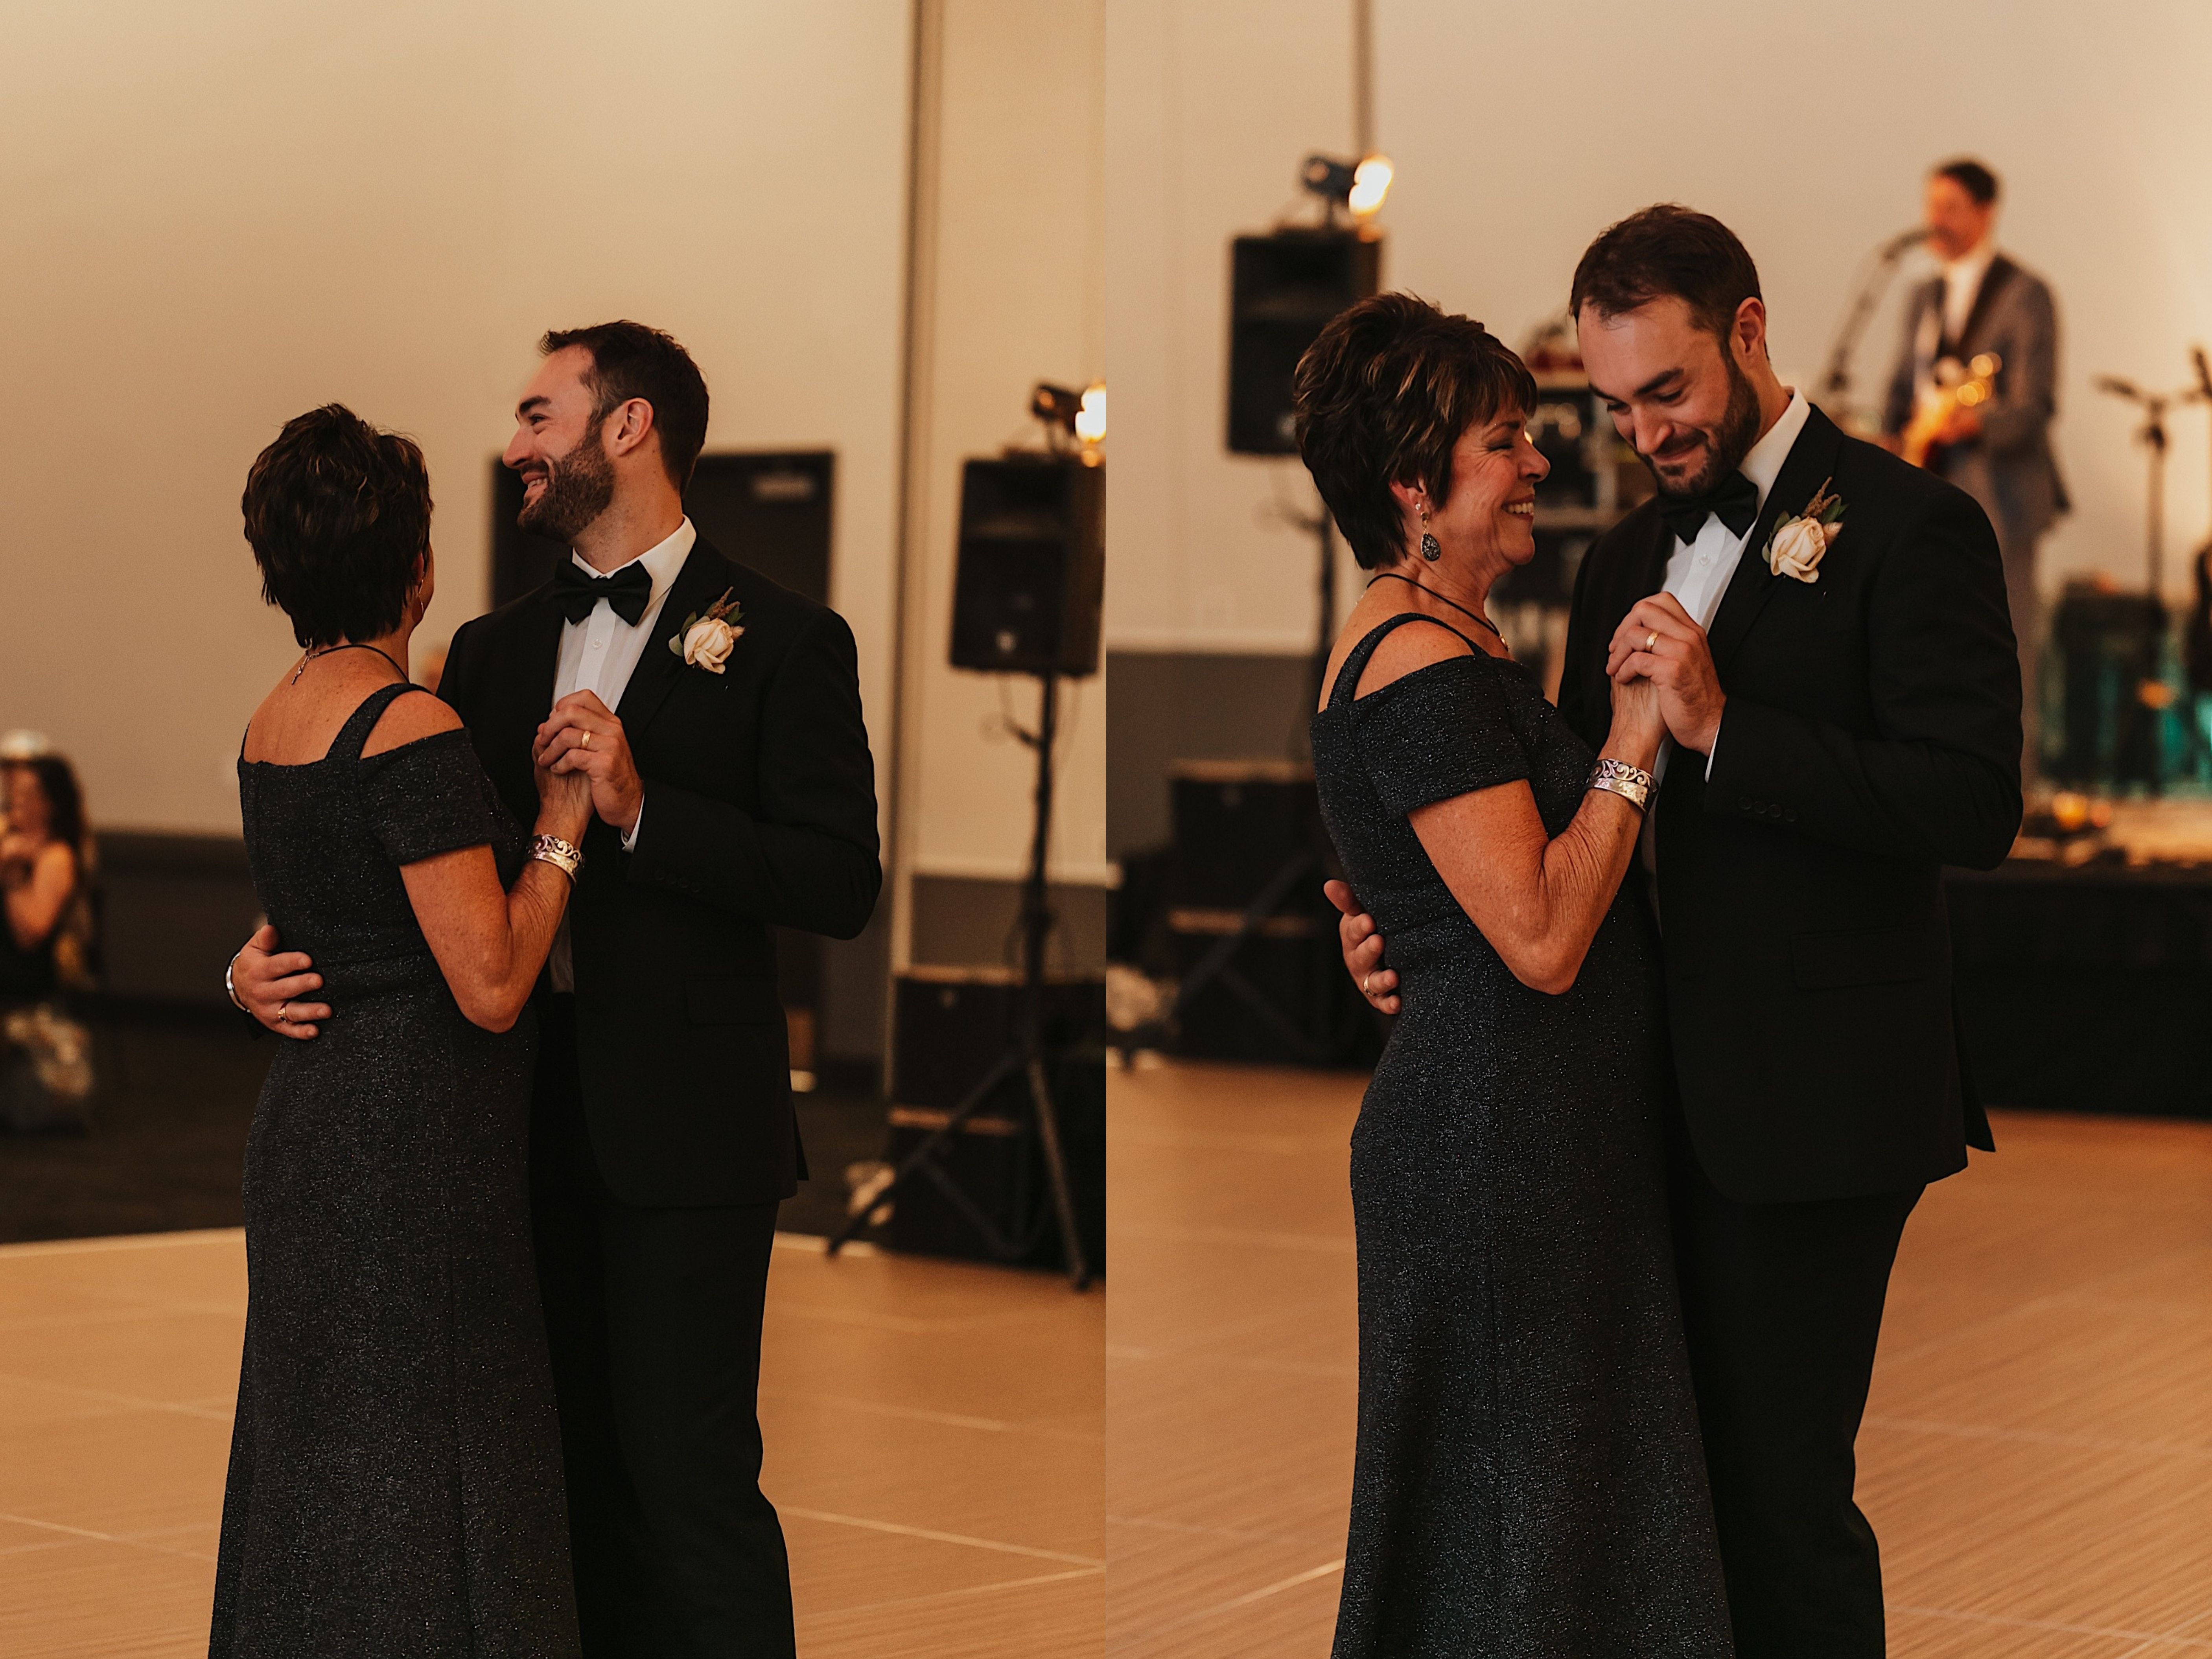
(271, 986)
(582, 735)
(1658, 640)
(1362, 949)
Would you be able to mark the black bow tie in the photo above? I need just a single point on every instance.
(575, 589)
(1734, 500)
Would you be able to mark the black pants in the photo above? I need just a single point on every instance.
(653, 1318)
(1782, 1305)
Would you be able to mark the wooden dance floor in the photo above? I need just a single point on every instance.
(933, 1437)
(2038, 1454)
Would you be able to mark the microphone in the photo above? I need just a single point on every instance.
(1903, 241)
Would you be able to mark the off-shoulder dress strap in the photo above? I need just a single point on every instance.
(353, 736)
(1355, 664)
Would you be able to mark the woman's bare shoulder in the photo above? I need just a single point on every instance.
(1409, 647)
(410, 718)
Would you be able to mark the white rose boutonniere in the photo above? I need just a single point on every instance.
(705, 641)
(1799, 544)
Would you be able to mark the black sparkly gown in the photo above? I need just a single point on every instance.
(395, 1471)
(1529, 1479)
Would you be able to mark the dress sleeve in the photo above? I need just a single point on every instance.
(1440, 732)
(430, 797)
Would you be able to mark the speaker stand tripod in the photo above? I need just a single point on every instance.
(1023, 1059)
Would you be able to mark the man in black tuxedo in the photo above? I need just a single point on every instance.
(1844, 715)
(719, 718)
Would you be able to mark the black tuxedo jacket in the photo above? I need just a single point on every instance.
(760, 809)
(1872, 737)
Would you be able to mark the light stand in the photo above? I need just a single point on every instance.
(1024, 1057)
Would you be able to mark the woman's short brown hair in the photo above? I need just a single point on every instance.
(338, 515)
(1384, 395)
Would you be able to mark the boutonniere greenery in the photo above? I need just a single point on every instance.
(1798, 544)
(704, 642)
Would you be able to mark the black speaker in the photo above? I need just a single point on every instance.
(1283, 290)
(1032, 567)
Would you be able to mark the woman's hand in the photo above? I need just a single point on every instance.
(1639, 722)
(564, 803)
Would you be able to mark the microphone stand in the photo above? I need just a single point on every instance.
(1836, 385)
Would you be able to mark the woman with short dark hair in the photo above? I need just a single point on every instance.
(1529, 1480)
(395, 1471)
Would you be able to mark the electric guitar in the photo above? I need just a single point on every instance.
(1957, 385)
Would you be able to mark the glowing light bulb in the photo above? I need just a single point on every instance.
(1370, 183)
(1090, 417)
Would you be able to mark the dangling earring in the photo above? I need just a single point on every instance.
(1431, 549)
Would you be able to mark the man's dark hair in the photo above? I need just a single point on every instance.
(1971, 176)
(1667, 250)
(630, 360)
(1383, 395)
(339, 516)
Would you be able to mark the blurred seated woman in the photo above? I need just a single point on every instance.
(42, 862)
(395, 1470)
(46, 857)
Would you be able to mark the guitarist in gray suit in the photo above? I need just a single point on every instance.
(1998, 451)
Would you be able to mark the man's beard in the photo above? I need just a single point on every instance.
(1731, 443)
(577, 488)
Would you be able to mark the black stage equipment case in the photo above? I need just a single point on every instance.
(1032, 565)
(1253, 937)
(1283, 290)
(2111, 649)
(950, 1022)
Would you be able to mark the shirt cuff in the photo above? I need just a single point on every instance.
(1709, 753)
(629, 835)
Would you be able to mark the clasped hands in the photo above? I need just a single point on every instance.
(582, 734)
(581, 738)
(1658, 643)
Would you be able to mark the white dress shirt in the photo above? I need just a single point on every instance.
(1699, 572)
(1962, 285)
(599, 654)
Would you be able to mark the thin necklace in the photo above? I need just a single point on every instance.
(386, 655)
(1433, 594)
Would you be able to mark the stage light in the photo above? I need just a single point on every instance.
(1370, 183)
(1090, 417)
(1360, 185)
(1057, 405)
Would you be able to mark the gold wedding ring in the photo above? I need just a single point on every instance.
(584, 742)
(1651, 640)
(284, 1012)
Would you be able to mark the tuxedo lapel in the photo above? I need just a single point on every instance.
(705, 576)
(1811, 460)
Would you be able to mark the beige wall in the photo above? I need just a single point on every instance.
(1012, 292)
(218, 215)
(1520, 131)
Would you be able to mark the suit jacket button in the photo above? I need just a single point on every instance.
(1746, 803)
(1789, 815)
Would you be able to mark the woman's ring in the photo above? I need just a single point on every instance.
(284, 1013)
(1651, 640)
